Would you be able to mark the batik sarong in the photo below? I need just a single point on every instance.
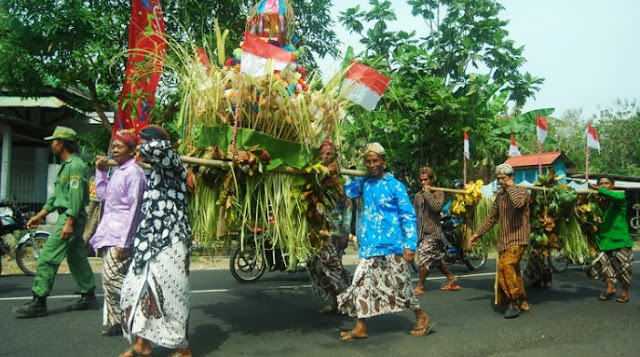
(328, 275)
(113, 272)
(614, 265)
(510, 283)
(429, 253)
(380, 285)
(155, 303)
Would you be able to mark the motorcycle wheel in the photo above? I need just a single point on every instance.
(558, 260)
(28, 252)
(247, 265)
(475, 261)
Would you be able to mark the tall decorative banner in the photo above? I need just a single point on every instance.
(147, 45)
(513, 147)
(592, 142)
(364, 85)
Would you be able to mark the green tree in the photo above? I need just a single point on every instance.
(463, 74)
(73, 44)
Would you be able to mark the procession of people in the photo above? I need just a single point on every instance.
(144, 238)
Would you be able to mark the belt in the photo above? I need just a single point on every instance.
(61, 210)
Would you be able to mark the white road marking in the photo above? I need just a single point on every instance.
(282, 287)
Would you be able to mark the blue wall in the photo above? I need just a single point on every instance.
(531, 174)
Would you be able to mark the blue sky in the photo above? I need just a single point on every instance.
(588, 51)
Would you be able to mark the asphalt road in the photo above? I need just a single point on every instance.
(277, 316)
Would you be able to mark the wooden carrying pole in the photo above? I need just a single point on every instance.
(226, 165)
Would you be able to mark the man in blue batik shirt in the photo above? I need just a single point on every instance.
(387, 234)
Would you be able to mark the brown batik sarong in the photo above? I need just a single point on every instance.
(113, 272)
(380, 285)
(538, 271)
(614, 265)
(429, 253)
(328, 275)
(510, 283)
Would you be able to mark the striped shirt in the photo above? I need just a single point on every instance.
(428, 206)
(511, 209)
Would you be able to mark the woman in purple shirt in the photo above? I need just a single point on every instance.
(121, 195)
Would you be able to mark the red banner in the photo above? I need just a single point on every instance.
(147, 47)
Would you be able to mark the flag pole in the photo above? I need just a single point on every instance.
(586, 163)
(539, 158)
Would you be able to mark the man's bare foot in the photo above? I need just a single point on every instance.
(353, 335)
(134, 351)
(524, 306)
(418, 291)
(452, 281)
(422, 326)
(182, 352)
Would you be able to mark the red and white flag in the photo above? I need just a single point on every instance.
(592, 138)
(541, 128)
(513, 147)
(364, 85)
(466, 145)
(256, 55)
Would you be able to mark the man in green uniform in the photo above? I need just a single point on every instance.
(69, 199)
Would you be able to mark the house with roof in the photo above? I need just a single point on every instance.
(525, 167)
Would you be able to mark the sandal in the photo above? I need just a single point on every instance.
(328, 310)
(351, 336)
(450, 288)
(604, 296)
(622, 299)
(426, 329)
(133, 353)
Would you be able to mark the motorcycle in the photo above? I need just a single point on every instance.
(27, 250)
(248, 263)
(450, 243)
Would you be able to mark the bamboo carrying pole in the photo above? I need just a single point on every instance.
(226, 165)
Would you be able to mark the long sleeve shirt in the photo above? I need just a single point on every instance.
(511, 210)
(614, 230)
(428, 206)
(71, 189)
(121, 196)
(387, 223)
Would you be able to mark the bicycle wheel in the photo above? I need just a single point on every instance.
(247, 265)
(558, 260)
(28, 252)
(475, 260)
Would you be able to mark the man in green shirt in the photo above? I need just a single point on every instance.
(70, 196)
(614, 260)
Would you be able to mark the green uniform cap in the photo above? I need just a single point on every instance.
(62, 132)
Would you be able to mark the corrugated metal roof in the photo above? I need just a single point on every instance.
(546, 158)
(37, 102)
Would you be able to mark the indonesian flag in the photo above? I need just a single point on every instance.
(592, 138)
(260, 58)
(513, 147)
(466, 145)
(364, 85)
(147, 46)
(541, 128)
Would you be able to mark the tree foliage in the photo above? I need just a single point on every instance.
(463, 74)
(82, 43)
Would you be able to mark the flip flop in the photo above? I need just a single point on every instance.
(418, 293)
(604, 296)
(426, 329)
(350, 336)
(450, 288)
(622, 299)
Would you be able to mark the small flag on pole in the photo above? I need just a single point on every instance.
(541, 128)
(257, 53)
(513, 147)
(466, 145)
(364, 85)
(592, 138)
